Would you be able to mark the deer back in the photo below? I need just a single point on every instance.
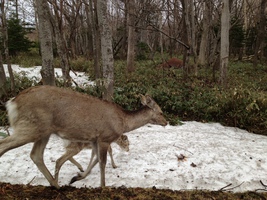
(69, 114)
(173, 62)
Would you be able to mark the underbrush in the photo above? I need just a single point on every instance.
(243, 104)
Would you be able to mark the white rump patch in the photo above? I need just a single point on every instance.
(66, 142)
(12, 111)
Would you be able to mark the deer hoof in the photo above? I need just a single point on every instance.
(74, 179)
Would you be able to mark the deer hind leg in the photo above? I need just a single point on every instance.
(37, 157)
(111, 157)
(101, 149)
(91, 165)
(67, 156)
(78, 165)
(20, 137)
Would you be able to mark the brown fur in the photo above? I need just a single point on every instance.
(74, 148)
(173, 62)
(40, 111)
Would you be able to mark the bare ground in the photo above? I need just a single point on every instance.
(28, 192)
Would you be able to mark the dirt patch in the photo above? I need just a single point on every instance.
(19, 192)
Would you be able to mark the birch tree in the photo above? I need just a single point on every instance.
(224, 57)
(45, 37)
(106, 50)
(202, 58)
(131, 36)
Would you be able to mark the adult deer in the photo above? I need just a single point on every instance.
(40, 111)
(173, 62)
(73, 148)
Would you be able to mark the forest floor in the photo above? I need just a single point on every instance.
(19, 192)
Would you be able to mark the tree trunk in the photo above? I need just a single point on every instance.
(61, 47)
(193, 37)
(131, 36)
(202, 57)
(261, 33)
(2, 77)
(185, 36)
(6, 51)
(45, 36)
(106, 50)
(161, 35)
(123, 52)
(225, 26)
(96, 41)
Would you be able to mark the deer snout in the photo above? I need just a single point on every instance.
(162, 121)
(127, 149)
(159, 121)
(165, 123)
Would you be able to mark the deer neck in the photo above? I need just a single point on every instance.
(136, 119)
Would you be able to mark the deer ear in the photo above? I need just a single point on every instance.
(143, 99)
(147, 101)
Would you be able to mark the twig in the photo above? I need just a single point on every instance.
(73, 72)
(6, 129)
(31, 180)
(183, 149)
(74, 82)
(263, 184)
(223, 189)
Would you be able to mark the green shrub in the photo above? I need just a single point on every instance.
(243, 104)
(28, 59)
(80, 64)
(3, 135)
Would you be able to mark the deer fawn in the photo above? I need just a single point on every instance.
(73, 148)
(40, 111)
(173, 62)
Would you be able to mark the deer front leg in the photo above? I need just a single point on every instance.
(102, 158)
(37, 154)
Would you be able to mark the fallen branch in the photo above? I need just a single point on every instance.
(223, 188)
(74, 82)
(264, 185)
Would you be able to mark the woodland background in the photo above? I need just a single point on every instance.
(120, 43)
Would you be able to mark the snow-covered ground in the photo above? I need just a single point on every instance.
(190, 156)
(34, 73)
